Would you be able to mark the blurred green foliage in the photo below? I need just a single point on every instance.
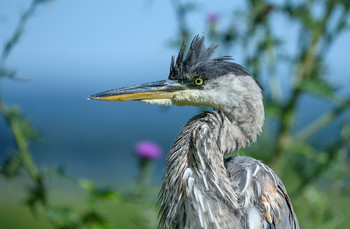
(316, 175)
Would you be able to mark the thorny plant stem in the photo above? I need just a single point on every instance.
(305, 71)
(320, 168)
(322, 121)
(180, 12)
(10, 44)
(20, 141)
(14, 125)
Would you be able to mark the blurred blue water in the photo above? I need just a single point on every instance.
(94, 139)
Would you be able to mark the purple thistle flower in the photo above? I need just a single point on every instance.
(148, 149)
(213, 17)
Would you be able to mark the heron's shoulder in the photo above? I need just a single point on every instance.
(258, 186)
(247, 173)
(254, 168)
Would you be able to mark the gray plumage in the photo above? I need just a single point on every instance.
(200, 190)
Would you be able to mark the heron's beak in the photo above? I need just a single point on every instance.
(164, 89)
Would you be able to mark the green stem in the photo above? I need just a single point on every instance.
(322, 121)
(10, 44)
(333, 153)
(145, 172)
(12, 122)
(20, 140)
(306, 67)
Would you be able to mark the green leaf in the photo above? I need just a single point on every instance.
(63, 217)
(87, 185)
(107, 194)
(273, 110)
(9, 73)
(37, 195)
(319, 87)
(100, 193)
(10, 167)
(307, 151)
(94, 219)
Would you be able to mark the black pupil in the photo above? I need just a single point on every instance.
(198, 81)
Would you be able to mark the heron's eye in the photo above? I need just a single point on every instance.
(198, 81)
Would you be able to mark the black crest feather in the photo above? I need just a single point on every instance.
(198, 63)
(196, 55)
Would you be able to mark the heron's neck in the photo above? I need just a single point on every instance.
(246, 120)
(196, 183)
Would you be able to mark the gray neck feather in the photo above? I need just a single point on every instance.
(196, 191)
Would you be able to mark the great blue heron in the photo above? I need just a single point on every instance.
(200, 189)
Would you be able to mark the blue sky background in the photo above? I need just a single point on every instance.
(117, 36)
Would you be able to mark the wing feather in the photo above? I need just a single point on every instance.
(259, 187)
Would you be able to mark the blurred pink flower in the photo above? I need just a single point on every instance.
(148, 149)
(212, 17)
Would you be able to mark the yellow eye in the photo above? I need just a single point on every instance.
(198, 81)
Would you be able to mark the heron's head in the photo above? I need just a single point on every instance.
(197, 79)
